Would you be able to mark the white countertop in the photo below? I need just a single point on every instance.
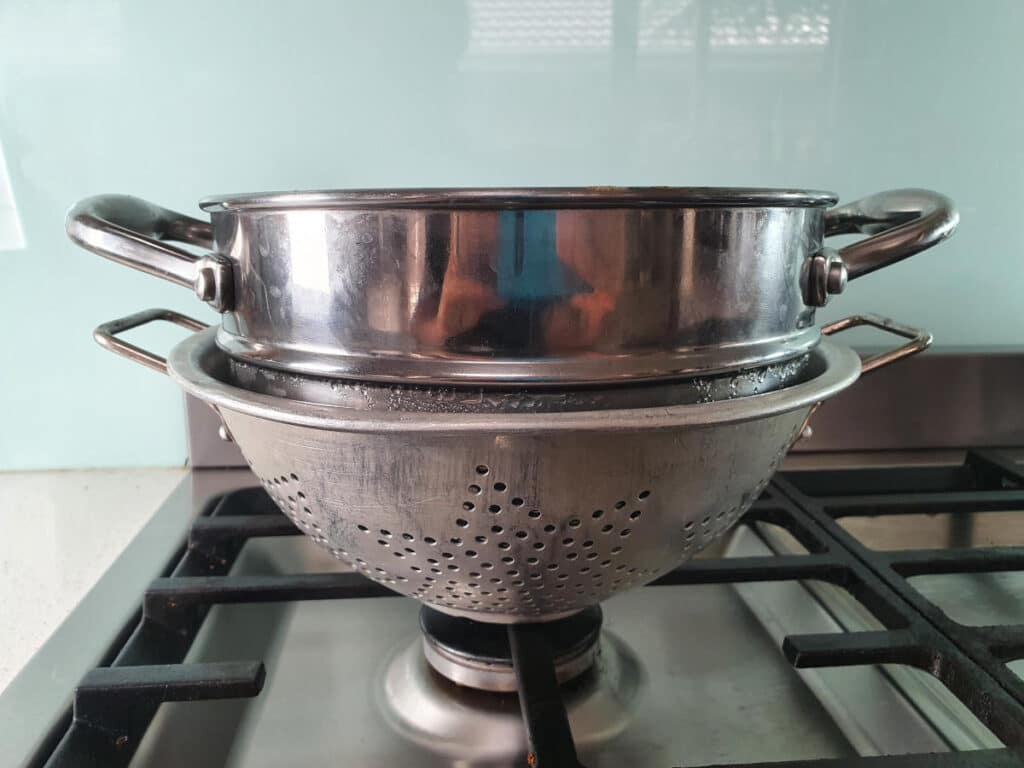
(61, 531)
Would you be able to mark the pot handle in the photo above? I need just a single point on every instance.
(901, 222)
(133, 232)
(919, 340)
(106, 335)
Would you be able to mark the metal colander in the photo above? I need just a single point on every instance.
(514, 526)
(508, 516)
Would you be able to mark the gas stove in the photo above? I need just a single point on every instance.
(867, 612)
(867, 606)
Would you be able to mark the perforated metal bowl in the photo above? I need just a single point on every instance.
(509, 516)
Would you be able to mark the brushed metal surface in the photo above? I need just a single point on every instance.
(686, 677)
(514, 516)
(936, 400)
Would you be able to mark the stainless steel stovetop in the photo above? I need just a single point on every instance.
(690, 672)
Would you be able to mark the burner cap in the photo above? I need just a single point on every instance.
(477, 654)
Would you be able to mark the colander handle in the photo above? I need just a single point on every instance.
(919, 340)
(106, 335)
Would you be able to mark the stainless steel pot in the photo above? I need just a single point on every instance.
(515, 516)
(544, 287)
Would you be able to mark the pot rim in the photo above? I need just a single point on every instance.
(520, 198)
(191, 361)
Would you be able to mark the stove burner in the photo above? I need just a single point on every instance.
(478, 655)
(473, 727)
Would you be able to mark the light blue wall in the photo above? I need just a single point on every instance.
(174, 101)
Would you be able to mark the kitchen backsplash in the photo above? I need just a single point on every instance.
(175, 101)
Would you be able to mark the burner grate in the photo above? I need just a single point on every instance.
(114, 703)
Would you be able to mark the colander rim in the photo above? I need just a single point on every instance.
(190, 363)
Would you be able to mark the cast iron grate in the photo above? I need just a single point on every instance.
(114, 703)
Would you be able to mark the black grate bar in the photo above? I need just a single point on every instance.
(113, 706)
(540, 699)
(979, 758)
(781, 517)
(166, 596)
(954, 655)
(106, 691)
(994, 463)
(760, 568)
(853, 648)
(920, 562)
(210, 530)
(922, 503)
(1005, 642)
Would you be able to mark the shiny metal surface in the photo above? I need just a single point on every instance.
(542, 198)
(526, 287)
(133, 232)
(451, 722)
(490, 675)
(902, 222)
